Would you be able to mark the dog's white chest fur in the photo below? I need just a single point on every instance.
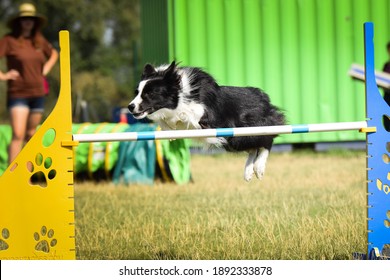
(185, 116)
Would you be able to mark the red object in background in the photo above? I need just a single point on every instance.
(45, 86)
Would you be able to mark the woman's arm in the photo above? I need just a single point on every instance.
(10, 75)
(50, 62)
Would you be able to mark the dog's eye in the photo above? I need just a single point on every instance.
(136, 92)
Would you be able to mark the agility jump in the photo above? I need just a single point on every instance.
(37, 219)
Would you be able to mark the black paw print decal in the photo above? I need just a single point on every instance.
(45, 240)
(41, 170)
(4, 236)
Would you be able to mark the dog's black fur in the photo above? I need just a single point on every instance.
(242, 107)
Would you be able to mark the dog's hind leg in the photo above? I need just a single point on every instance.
(249, 165)
(260, 162)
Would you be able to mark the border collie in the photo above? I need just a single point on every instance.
(189, 98)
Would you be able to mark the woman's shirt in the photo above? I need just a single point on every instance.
(28, 61)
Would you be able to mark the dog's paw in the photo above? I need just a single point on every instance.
(260, 163)
(248, 174)
(259, 170)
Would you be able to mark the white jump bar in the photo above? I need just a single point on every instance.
(219, 132)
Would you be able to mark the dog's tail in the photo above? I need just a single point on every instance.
(277, 116)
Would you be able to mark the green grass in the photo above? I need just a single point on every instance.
(308, 206)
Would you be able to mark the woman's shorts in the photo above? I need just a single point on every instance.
(35, 104)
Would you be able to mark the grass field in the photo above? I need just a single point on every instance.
(308, 206)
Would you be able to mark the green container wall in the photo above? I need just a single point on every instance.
(154, 31)
(298, 51)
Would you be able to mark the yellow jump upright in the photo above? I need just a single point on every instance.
(36, 190)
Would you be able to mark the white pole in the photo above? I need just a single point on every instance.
(219, 132)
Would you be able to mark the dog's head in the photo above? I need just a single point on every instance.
(158, 89)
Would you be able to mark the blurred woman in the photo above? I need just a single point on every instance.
(30, 57)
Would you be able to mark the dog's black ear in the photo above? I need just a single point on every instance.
(171, 69)
(171, 76)
(149, 70)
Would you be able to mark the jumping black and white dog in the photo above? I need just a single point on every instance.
(189, 98)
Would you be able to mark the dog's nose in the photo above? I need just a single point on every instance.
(131, 107)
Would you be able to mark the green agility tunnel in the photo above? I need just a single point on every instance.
(124, 162)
